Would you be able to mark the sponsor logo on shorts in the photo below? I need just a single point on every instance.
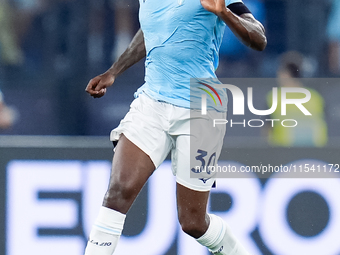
(204, 180)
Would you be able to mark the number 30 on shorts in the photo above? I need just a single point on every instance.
(202, 156)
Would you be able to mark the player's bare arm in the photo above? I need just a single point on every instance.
(133, 54)
(250, 31)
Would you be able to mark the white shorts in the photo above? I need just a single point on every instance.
(158, 128)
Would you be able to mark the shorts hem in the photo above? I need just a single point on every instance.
(193, 187)
(115, 135)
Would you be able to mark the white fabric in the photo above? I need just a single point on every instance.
(220, 240)
(158, 128)
(105, 232)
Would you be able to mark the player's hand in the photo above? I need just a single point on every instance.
(97, 86)
(214, 6)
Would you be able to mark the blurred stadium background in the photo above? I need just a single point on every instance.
(55, 157)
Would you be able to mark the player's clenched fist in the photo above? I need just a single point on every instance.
(214, 6)
(97, 86)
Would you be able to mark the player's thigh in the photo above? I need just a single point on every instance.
(130, 163)
(131, 168)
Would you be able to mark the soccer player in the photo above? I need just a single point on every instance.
(181, 40)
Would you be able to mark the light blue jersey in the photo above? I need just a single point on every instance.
(182, 41)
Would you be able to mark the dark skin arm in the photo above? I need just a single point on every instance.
(133, 54)
(245, 27)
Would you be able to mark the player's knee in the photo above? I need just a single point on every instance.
(193, 226)
(124, 191)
